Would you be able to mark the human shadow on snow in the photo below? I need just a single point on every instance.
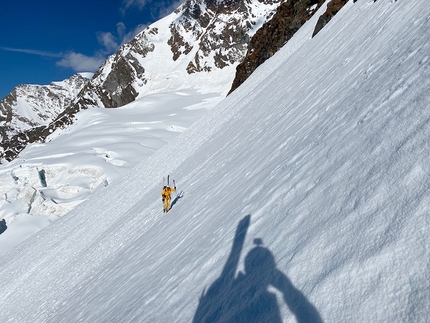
(245, 299)
(178, 196)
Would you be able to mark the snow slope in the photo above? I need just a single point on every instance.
(50, 179)
(322, 154)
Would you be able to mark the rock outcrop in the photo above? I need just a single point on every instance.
(333, 8)
(289, 17)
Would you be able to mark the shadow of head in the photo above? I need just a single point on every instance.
(259, 262)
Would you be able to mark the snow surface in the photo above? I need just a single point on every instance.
(321, 159)
(102, 145)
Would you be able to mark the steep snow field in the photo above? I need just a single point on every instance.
(303, 197)
(48, 180)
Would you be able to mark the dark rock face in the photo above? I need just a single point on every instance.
(333, 8)
(5, 107)
(289, 17)
(114, 89)
(222, 30)
(12, 146)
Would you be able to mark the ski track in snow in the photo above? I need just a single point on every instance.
(325, 147)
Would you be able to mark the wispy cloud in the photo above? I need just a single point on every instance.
(32, 52)
(127, 4)
(108, 41)
(120, 29)
(80, 62)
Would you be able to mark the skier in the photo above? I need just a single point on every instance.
(165, 197)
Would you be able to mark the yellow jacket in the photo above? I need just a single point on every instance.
(165, 194)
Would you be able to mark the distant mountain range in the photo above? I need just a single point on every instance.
(196, 44)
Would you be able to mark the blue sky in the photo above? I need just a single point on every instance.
(49, 40)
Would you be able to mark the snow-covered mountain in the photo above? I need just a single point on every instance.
(29, 106)
(198, 46)
(303, 197)
(199, 42)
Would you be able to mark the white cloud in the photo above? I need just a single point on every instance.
(127, 4)
(80, 62)
(108, 40)
(120, 29)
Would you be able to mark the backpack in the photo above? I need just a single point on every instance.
(165, 193)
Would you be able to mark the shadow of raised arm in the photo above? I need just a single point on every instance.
(230, 266)
(215, 300)
(298, 304)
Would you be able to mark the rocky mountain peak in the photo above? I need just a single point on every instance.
(29, 106)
